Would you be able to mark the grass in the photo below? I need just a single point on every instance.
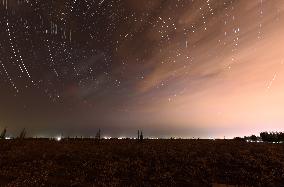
(76, 162)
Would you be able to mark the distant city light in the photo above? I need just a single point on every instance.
(58, 138)
(107, 137)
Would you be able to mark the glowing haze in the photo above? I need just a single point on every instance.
(208, 68)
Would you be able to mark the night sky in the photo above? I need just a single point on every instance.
(188, 68)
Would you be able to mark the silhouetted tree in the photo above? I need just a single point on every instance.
(281, 137)
(253, 137)
(98, 135)
(23, 134)
(264, 136)
(141, 136)
(138, 137)
(272, 136)
(3, 134)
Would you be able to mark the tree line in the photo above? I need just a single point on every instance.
(272, 136)
(265, 137)
(22, 135)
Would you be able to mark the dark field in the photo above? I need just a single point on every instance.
(132, 163)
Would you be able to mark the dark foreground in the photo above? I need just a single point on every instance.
(147, 163)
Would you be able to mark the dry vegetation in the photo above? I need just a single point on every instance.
(148, 163)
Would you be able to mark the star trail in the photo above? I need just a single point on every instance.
(171, 67)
